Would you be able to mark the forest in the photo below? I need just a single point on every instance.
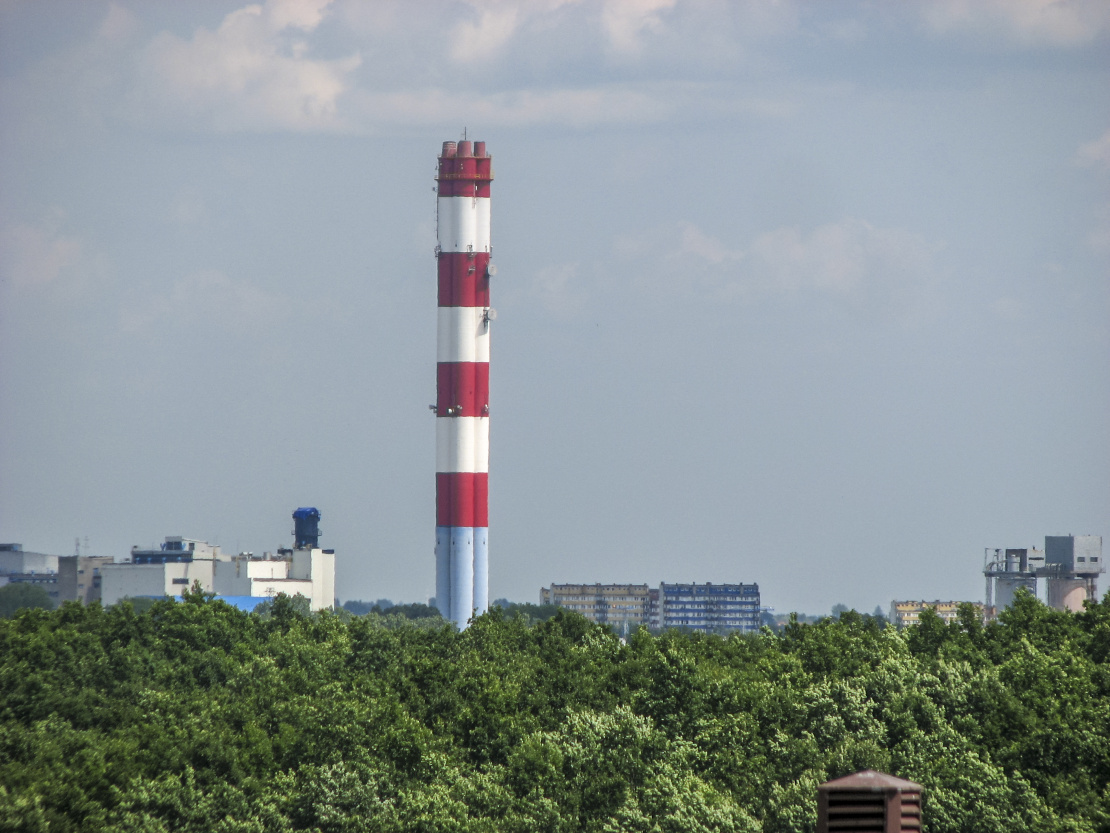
(195, 716)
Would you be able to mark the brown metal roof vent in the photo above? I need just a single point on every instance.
(869, 802)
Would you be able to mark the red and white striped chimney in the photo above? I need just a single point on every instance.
(462, 381)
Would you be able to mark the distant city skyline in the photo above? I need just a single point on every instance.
(808, 295)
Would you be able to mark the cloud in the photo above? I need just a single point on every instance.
(37, 255)
(255, 72)
(839, 257)
(615, 104)
(481, 41)
(559, 289)
(1099, 237)
(252, 72)
(1049, 22)
(211, 300)
(697, 243)
(338, 66)
(851, 259)
(343, 66)
(118, 24)
(625, 22)
(1096, 154)
(1010, 310)
(187, 210)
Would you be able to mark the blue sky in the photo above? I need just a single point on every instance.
(810, 294)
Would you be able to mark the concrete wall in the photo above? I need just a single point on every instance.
(1076, 553)
(1067, 593)
(1006, 588)
(318, 567)
(172, 579)
(28, 562)
(238, 576)
(290, 587)
(308, 572)
(79, 579)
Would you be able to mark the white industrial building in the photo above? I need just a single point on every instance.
(15, 561)
(242, 579)
(1064, 574)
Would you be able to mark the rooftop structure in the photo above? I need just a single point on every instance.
(176, 549)
(306, 527)
(869, 801)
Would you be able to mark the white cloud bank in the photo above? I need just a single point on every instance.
(839, 257)
(625, 22)
(622, 24)
(36, 255)
(1096, 154)
(559, 288)
(346, 66)
(482, 39)
(853, 260)
(208, 299)
(253, 71)
(43, 261)
(600, 105)
(1033, 22)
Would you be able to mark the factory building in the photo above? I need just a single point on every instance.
(38, 568)
(463, 267)
(710, 608)
(1016, 570)
(65, 578)
(169, 570)
(244, 579)
(14, 560)
(1072, 564)
(79, 577)
(1064, 574)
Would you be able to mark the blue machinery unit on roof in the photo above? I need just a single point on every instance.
(306, 527)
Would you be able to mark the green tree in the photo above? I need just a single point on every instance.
(19, 596)
(531, 613)
(140, 604)
(194, 715)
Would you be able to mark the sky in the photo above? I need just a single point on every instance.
(813, 295)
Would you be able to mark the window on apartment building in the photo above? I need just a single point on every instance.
(181, 581)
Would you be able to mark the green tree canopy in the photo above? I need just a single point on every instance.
(196, 716)
(19, 596)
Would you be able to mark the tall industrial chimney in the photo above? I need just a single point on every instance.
(462, 380)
